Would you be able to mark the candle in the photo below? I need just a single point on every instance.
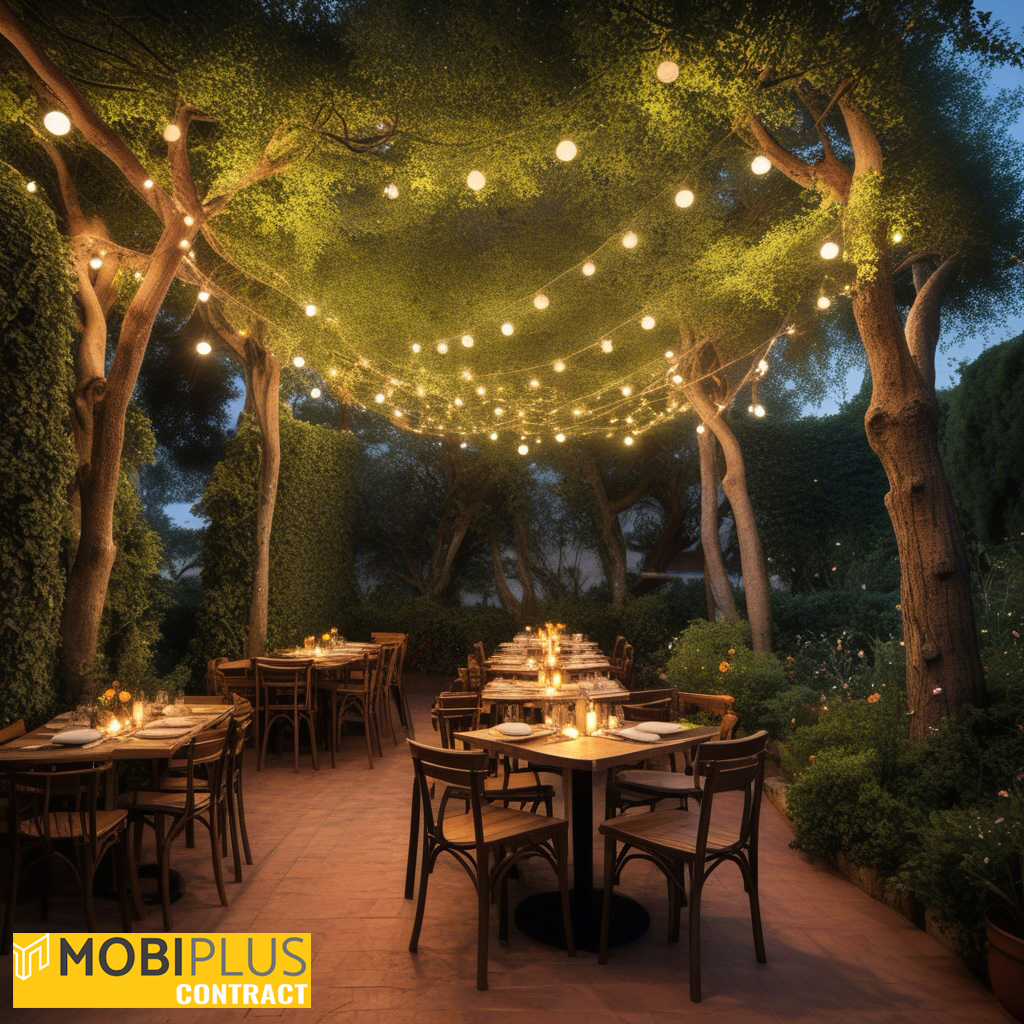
(613, 721)
(138, 713)
(571, 732)
(114, 728)
(317, 652)
(556, 679)
(550, 691)
(551, 661)
(591, 723)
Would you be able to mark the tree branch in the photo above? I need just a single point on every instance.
(925, 319)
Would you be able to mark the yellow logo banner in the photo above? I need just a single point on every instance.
(137, 971)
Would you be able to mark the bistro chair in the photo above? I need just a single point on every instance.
(625, 671)
(286, 694)
(13, 731)
(616, 656)
(398, 679)
(201, 800)
(356, 699)
(677, 844)
(488, 842)
(53, 817)
(391, 651)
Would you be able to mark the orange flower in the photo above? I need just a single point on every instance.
(109, 695)
(326, 637)
(874, 698)
(124, 696)
(724, 667)
(732, 650)
(811, 758)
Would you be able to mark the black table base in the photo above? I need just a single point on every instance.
(153, 898)
(540, 917)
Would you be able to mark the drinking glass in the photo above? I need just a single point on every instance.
(162, 698)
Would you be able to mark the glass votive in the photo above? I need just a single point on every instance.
(613, 721)
(570, 732)
(139, 714)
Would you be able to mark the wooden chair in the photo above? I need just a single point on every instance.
(398, 679)
(507, 835)
(53, 817)
(355, 699)
(13, 731)
(719, 704)
(286, 695)
(616, 656)
(649, 696)
(201, 800)
(678, 844)
(626, 668)
(390, 652)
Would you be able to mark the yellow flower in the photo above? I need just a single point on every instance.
(732, 650)
(326, 637)
(124, 696)
(724, 667)
(108, 695)
(811, 758)
(874, 698)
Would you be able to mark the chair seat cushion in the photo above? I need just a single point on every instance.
(150, 801)
(669, 783)
(669, 831)
(68, 824)
(502, 825)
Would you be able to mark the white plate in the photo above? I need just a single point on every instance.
(176, 723)
(535, 734)
(637, 735)
(514, 728)
(661, 728)
(76, 737)
(160, 732)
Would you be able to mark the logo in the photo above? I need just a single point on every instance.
(38, 951)
(133, 971)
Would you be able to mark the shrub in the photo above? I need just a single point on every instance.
(862, 615)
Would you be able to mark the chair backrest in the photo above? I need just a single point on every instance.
(12, 732)
(616, 656)
(656, 711)
(649, 696)
(626, 672)
(456, 712)
(206, 756)
(725, 766)
(214, 679)
(465, 770)
(714, 704)
(402, 639)
(481, 657)
(52, 799)
(285, 682)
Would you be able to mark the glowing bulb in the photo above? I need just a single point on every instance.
(523, 449)
(57, 122)
(829, 251)
(333, 372)
(31, 186)
(559, 366)
(760, 164)
(577, 412)
(629, 239)
(499, 411)
(189, 220)
(762, 366)
(184, 243)
(148, 183)
(627, 390)
(298, 362)
(647, 323)
(759, 411)
(315, 393)
(203, 296)
(379, 398)
(684, 198)
(421, 391)
(137, 275)
(897, 236)
(172, 133)
(670, 354)
(442, 347)
(311, 310)
(507, 329)
(416, 347)
(481, 391)
(534, 383)
(559, 438)
(476, 180)
(566, 150)
(589, 268)
(204, 348)
(494, 435)
(467, 341)
(627, 440)
(95, 263)
(391, 190)
(668, 71)
(458, 403)
(824, 302)
(700, 428)
(541, 301)
(677, 378)
(606, 345)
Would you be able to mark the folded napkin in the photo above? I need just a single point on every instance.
(661, 728)
(638, 735)
(514, 728)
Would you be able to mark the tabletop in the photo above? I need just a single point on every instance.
(585, 753)
(338, 656)
(128, 748)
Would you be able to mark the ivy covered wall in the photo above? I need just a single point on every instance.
(312, 573)
(36, 455)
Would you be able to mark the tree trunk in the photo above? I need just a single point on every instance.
(943, 659)
(521, 532)
(613, 543)
(505, 595)
(263, 373)
(90, 571)
(714, 563)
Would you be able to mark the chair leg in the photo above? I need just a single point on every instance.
(46, 874)
(240, 805)
(12, 897)
(86, 869)
(132, 871)
(503, 909)
(368, 724)
(218, 870)
(694, 936)
(164, 860)
(262, 756)
(606, 905)
(421, 900)
(414, 836)
(562, 853)
(755, 914)
(121, 870)
(483, 893)
(313, 743)
(232, 824)
(295, 738)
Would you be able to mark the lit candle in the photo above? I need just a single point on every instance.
(591, 723)
(556, 679)
(613, 721)
(571, 732)
(550, 691)
(114, 728)
(316, 652)
(551, 661)
(138, 714)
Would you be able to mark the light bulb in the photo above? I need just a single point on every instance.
(541, 301)
(184, 243)
(459, 402)
(315, 393)
(416, 347)
(442, 347)
(684, 198)
(148, 183)
(466, 375)
(629, 240)
(333, 372)
(762, 366)
(421, 390)
(494, 435)
(589, 268)
(668, 71)
(566, 150)
(534, 383)
(559, 366)
(95, 263)
(606, 345)
(559, 438)
(647, 323)
(577, 412)
(476, 180)
(499, 411)
(481, 390)
(57, 122)
(172, 133)
(189, 220)
(759, 411)
(298, 362)
(670, 354)
(467, 341)
(311, 310)
(700, 428)
(760, 164)
(677, 378)
(628, 440)
(829, 251)
(391, 190)
(523, 449)
(627, 390)
(137, 275)
(204, 348)
(31, 186)
(464, 445)
(824, 302)
(507, 329)
(379, 398)
(203, 296)
(398, 414)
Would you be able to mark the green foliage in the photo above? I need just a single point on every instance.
(36, 456)
(311, 567)
(860, 614)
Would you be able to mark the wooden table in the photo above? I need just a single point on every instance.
(540, 915)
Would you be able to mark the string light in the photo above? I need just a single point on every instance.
(442, 347)
(391, 190)
(171, 133)
(677, 378)
(203, 296)
(607, 346)
(559, 438)
(762, 366)
(467, 375)
(628, 440)
(494, 435)
(467, 341)
(647, 323)
(589, 268)
(476, 180)
(499, 411)
(541, 301)
(204, 348)
(670, 354)
(379, 398)
(31, 186)
(95, 263)
(148, 183)
(629, 240)
(481, 390)
(566, 150)
(416, 347)
(311, 310)
(315, 393)
(507, 329)
(57, 122)
(298, 362)
(700, 428)
(759, 411)
(824, 302)
(459, 402)
(523, 449)
(760, 164)
(333, 372)
(137, 275)
(684, 198)
(627, 391)
(559, 366)
(534, 383)
(184, 244)
(668, 71)
(829, 251)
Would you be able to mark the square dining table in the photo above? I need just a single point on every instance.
(540, 915)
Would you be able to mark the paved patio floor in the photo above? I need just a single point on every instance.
(329, 850)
